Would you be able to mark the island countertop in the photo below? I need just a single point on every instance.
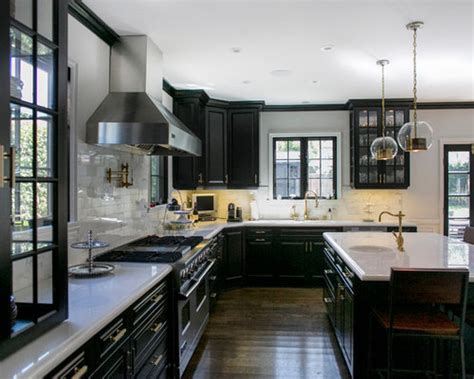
(422, 250)
(93, 303)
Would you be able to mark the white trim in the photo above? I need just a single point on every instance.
(338, 136)
(442, 142)
(73, 142)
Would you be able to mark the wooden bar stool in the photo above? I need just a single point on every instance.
(414, 308)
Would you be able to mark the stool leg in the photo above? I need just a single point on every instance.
(389, 354)
(463, 363)
(369, 347)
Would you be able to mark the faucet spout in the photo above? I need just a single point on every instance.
(398, 236)
(306, 197)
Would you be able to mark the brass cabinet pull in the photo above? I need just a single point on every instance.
(12, 156)
(156, 360)
(259, 239)
(226, 179)
(200, 179)
(256, 179)
(118, 336)
(327, 300)
(328, 272)
(156, 299)
(157, 327)
(79, 372)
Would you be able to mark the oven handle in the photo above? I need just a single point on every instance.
(198, 281)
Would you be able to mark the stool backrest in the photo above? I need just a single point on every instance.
(469, 234)
(428, 286)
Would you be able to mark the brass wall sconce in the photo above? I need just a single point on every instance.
(121, 176)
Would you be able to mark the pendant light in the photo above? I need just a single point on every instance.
(383, 148)
(415, 136)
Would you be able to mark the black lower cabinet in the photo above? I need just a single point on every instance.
(234, 258)
(260, 259)
(136, 344)
(292, 260)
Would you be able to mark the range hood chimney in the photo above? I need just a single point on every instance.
(132, 114)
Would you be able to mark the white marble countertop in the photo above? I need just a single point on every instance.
(422, 250)
(211, 229)
(93, 303)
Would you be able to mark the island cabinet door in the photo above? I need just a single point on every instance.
(292, 258)
(348, 321)
(234, 258)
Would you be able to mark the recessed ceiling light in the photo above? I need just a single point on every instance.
(314, 81)
(236, 50)
(281, 72)
(327, 48)
(246, 82)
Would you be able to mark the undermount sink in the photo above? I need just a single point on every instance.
(371, 249)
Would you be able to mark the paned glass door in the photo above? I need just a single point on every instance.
(458, 189)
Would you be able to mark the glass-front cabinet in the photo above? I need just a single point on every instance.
(366, 126)
(33, 169)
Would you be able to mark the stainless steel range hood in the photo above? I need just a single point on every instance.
(132, 114)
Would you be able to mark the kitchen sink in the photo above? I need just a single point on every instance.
(371, 249)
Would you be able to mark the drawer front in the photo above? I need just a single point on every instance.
(76, 367)
(156, 363)
(254, 233)
(307, 233)
(330, 302)
(151, 331)
(150, 303)
(329, 274)
(112, 337)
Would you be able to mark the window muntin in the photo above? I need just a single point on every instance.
(158, 180)
(304, 163)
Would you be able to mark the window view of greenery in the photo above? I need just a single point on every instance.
(158, 180)
(302, 164)
(458, 192)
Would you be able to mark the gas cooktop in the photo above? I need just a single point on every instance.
(152, 249)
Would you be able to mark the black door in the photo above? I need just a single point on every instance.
(315, 262)
(243, 148)
(234, 258)
(458, 189)
(216, 146)
(187, 171)
(259, 257)
(292, 260)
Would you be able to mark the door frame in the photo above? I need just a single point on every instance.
(443, 176)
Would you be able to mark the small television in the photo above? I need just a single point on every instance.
(205, 203)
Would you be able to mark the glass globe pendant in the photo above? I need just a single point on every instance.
(383, 148)
(415, 136)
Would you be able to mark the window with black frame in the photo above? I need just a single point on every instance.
(158, 180)
(301, 164)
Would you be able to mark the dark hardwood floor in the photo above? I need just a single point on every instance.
(268, 333)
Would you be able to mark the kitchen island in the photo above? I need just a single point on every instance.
(357, 274)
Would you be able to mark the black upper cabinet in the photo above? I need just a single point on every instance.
(216, 146)
(188, 171)
(366, 125)
(243, 148)
(230, 143)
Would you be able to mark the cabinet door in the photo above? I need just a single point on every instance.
(292, 260)
(234, 258)
(259, 257)
(243, 148)
(216, 146)
(187, 171)
(315, 266)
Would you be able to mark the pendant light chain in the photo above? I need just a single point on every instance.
(383, 100)
(414, 80)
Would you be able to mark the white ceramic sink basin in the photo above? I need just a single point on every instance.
(371, 249)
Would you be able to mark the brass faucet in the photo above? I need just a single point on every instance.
(316, 202)
(399, 236)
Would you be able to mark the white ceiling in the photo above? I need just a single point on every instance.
(197, 37)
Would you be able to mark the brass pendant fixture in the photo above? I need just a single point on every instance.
(383, 148)
(415, 136)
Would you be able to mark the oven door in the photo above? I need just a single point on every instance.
(193, 307)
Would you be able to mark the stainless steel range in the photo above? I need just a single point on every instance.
(193, 261)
